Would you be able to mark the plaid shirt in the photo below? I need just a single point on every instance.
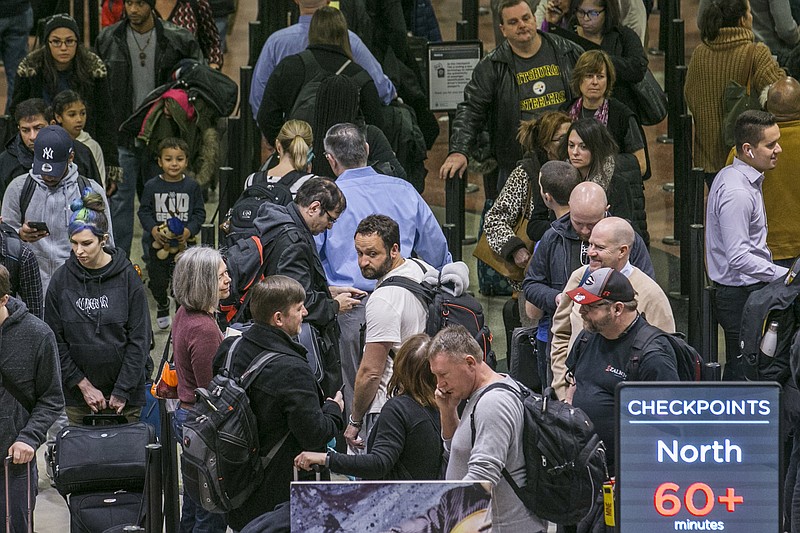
(26, 282)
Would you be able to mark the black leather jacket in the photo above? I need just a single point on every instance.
(172, 44)
(491, 100)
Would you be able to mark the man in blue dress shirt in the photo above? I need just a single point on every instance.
(367, 193)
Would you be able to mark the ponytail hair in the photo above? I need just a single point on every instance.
(88, 212)
(720, 14)
(296, 139)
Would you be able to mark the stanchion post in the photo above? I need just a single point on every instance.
(207, 235)
(453, 242)
(254, 43)
(78, 13)
(664, 12)
(169, 471)
(469, 14)
(228, 187)
(94, 21)
(155, 511)
(251, 135)
(696, 286)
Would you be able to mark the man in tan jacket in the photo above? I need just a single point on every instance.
(609, 246)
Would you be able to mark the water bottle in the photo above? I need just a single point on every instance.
(770, 341)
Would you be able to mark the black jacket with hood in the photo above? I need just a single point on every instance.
(102, 326)
(290, 250)
(285, 398)
(30, 374)
(556, 258)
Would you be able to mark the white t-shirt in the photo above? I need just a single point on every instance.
(393, 315)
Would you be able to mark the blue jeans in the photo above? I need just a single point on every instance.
(14, 45)
(138, 166)
(18, 495)
(195, 519)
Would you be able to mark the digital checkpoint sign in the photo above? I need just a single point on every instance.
(698, 457)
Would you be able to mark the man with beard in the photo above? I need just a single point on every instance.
(600, 357)
(347, 151)
(393, 314)
(609, 246)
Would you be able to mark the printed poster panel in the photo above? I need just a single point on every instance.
(390, 507)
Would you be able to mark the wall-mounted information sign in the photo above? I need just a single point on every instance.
(698, 457)
(450, 67)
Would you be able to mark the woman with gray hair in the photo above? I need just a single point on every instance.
(199, 281)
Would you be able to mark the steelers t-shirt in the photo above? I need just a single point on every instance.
(539, 81)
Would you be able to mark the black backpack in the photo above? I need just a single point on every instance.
(775, 302)
(246, 267)
(305, 104)
(565, 460)
(239, 222)
(12, 255)
(690, 364)
(222, 464)
(444, 310)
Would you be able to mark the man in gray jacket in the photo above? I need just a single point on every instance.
(30, 397)
(48, 189)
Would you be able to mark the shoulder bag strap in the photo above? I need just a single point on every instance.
(344, 66)
(751, 61)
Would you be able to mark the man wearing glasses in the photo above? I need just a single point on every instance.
(287, 234)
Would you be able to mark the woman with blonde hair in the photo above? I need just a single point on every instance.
(406, 441)
(293, 146)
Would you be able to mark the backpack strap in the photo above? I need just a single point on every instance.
(644, 337)
(25, 197)
(417, 289)
(28, 189)
(259, 275)
(247, 379)
(522, 393)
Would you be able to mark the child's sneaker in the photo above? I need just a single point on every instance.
(162, 318)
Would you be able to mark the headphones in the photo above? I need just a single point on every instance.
(750, 153)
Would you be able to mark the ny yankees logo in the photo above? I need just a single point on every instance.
(47, 153)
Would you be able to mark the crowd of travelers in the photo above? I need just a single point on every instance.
(361, 386)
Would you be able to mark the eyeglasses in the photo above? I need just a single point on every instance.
(596, 305)
(332, 218)
(557, 139)
(58, 43)
(590, 14)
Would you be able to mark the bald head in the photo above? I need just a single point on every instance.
(587, 206)
(783, 99)
(610, 243)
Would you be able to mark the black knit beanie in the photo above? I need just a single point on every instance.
(60, 20)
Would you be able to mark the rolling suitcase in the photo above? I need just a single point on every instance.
(101, 458)
(6, 466)
(523, 358)
(98, 512)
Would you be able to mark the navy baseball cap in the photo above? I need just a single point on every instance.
(51, 151)
(603, 284)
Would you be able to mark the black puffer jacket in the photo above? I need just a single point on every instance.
(172, 44)
(96, 93)
(491, 100)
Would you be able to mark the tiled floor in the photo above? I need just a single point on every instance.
(51, 514)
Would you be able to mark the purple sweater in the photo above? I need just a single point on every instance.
(195, 339)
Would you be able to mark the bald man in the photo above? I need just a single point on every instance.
(610, 246)
(565, 247)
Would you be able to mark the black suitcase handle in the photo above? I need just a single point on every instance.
(6, 466)
(104, 419)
